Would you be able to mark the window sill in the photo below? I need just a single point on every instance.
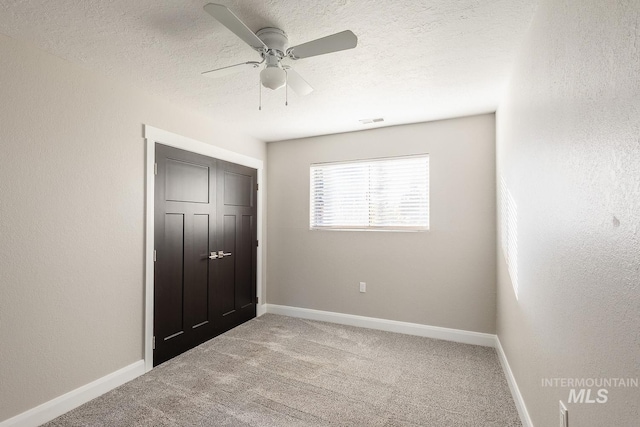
(389, 229)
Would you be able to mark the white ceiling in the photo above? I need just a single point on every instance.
(415, 61)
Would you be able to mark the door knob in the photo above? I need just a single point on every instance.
(213, 255)
(222, 254)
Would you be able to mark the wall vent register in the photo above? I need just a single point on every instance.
(375, 194)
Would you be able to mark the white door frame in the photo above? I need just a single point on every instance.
(152, 136)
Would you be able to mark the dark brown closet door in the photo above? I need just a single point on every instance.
(205, 241)
(237, 232)
(185, 221)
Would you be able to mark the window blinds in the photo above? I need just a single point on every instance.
(391, 193)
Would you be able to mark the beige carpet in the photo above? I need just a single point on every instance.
(282, 371)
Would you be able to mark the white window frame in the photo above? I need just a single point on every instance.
(395, 228)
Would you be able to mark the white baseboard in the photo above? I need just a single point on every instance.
(62, 404)
(457, 335)
(513, 386)
(261, 309)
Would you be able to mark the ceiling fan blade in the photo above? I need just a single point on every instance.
(231, 69)
(223, 15)
(297, 83)
(334, 43)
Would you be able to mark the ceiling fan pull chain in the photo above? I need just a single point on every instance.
(260, 99)
(286, 88)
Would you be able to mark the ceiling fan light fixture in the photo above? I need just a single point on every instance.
(273, 77)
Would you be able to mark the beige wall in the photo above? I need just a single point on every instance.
(568, 147)
(444, 277)
(71, 221)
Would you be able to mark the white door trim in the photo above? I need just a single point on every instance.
(154, 135)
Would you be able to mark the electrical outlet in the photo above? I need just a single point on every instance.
(363, 287)
(564, 415)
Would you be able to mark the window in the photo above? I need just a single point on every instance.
(509, 232)
(376, 194)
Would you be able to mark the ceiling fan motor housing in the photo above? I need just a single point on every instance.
(273, 76)
(275, 39)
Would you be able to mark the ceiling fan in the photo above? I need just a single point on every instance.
(272, 45)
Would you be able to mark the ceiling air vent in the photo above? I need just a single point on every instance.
(369, 121)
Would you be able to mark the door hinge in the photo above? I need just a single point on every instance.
(257, 242)
(154, 342)
(154, 255)
(257, 187)
(257, 300)
(155, 169)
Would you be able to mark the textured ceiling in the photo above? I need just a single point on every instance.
(415, 61)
